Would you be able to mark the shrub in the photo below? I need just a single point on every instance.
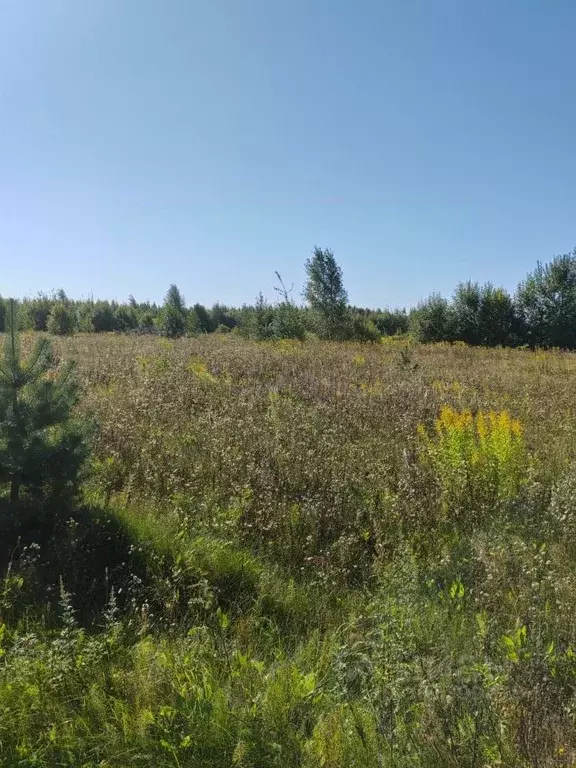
(202, 319)
(364, 330)
(220, 315)
(103, 319)
(146, 322)
(36, 312)
(287, 322)
(61, 320)
(391, 323)
(125, 319)
(433, 320)
(259, 319)
(478, 459)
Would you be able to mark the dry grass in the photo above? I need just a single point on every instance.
(354, 612)
(298, 445)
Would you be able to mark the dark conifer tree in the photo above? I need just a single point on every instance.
(43, 444)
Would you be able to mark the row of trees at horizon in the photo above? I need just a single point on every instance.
(541, 313)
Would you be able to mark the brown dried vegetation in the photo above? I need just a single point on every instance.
(325, 604)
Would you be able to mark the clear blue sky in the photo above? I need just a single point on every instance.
(144, 142)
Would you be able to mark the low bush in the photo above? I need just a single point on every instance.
(478, 459)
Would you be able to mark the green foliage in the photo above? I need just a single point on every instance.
(174, 315)
(258, 320)
(466, 310)
(220, 315)
(547, 303)
(484, 315)
(42, 447)
(84, 317)
(364, 329)
(275, 569)
(172, 322)
(542, 314)
(390, 323)
(326, 294)
(2, 315)
(433, 320)
(345, 736)
(192, 324)
(479, 459)
(175, 299)
(61, 320)
(103, 319)
(35, 312)
(126, 318)
(498, 321)
(203, 319)
(146, 321)
(287, 322)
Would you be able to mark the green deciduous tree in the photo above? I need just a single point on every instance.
(125, 318)
(220, 315)
(103, 318)
(390, 322)
(43, 445)
(326, 294)
(433, 320)
(61, 321)
(203, 319)
(364, 329)
(498, 323)
(146, 321)
(466, 310)
(547, 303)
(477, 315)
(36, 312)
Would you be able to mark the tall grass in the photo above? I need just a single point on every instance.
(303, 554)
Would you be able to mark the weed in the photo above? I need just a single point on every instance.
(302, 554)
(479, 459)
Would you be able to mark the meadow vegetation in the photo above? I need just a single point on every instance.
(285, 553)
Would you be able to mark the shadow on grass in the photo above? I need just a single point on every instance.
(94, 552)
(87, 551)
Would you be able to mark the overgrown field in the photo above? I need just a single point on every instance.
(303, 554)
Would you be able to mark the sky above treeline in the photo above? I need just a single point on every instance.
(212, 143)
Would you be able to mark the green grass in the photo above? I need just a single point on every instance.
(273, 567)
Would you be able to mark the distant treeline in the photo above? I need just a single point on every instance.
(541, 313)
